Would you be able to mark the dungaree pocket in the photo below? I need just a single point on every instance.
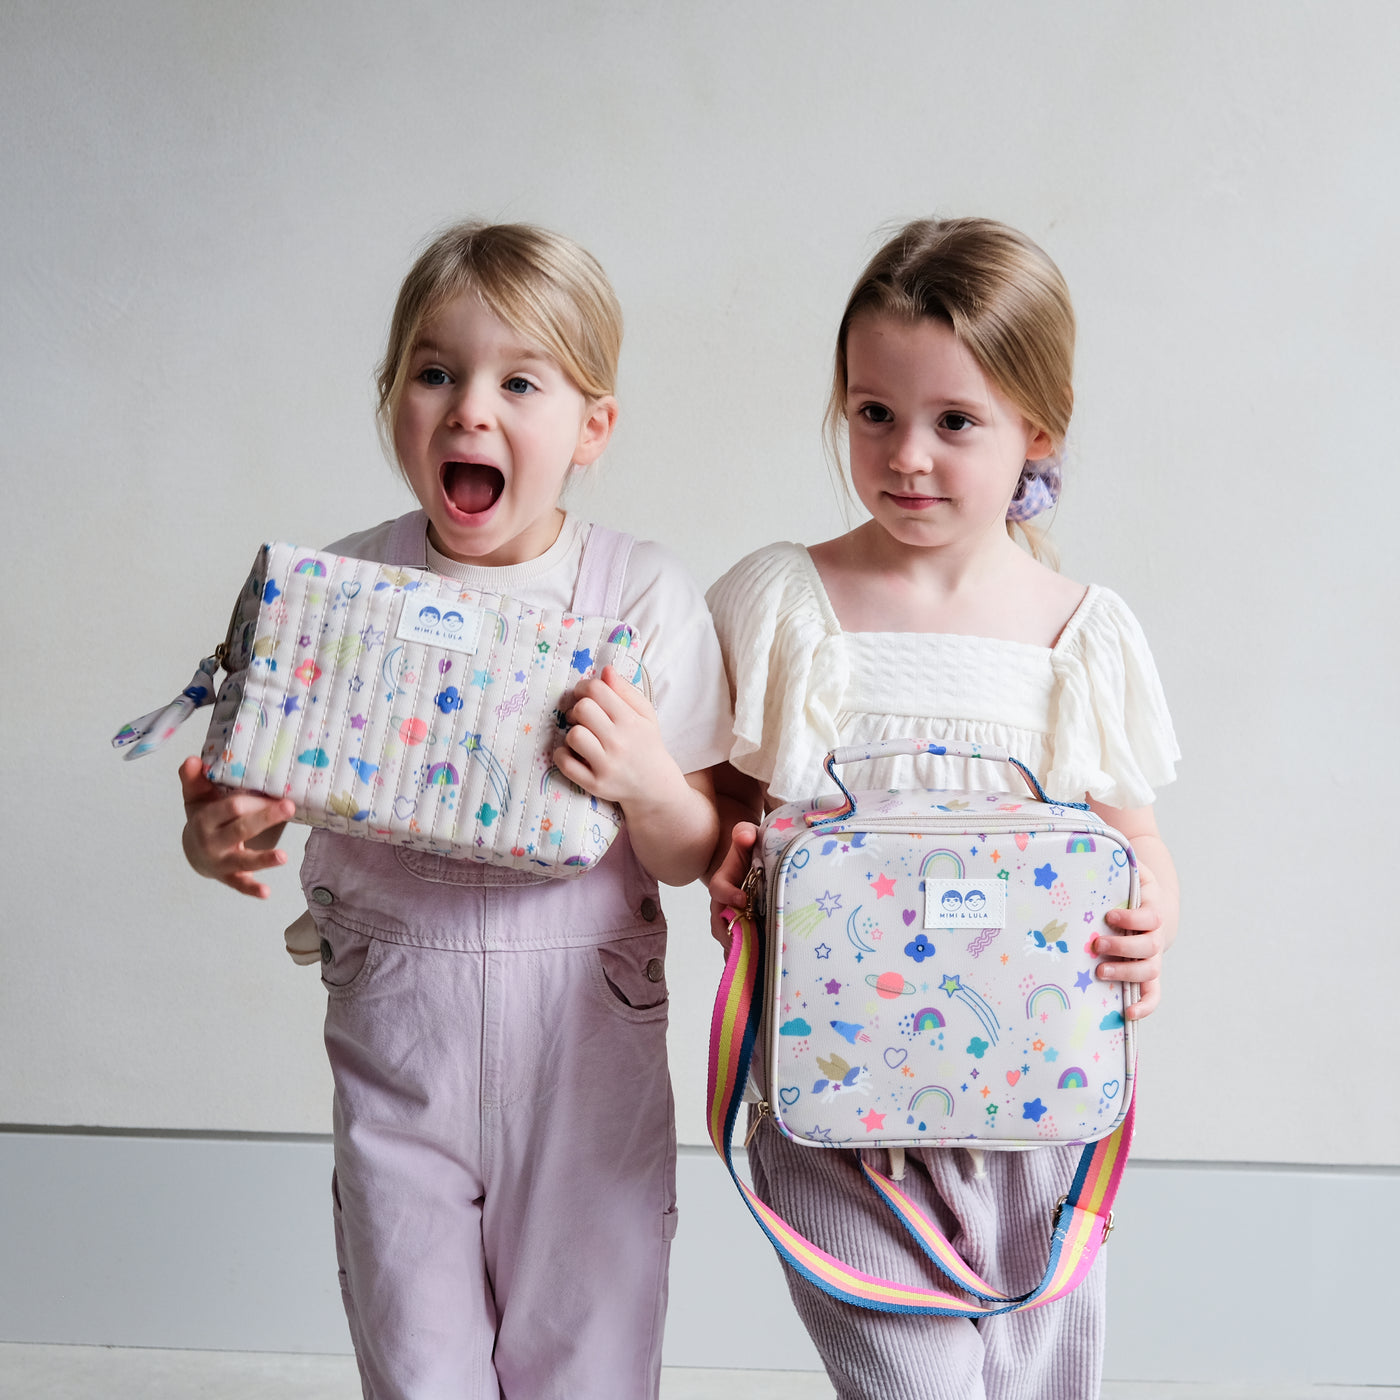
(348, 959)
(629, 976)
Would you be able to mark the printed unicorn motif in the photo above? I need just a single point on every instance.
(840, 1076)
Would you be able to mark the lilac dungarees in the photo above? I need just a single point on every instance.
(504, 1186)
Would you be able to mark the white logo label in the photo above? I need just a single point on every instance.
(965, 903)
(438, 622)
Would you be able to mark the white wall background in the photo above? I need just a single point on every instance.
(206, 211)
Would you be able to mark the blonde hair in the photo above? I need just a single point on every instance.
(1005, 300)
(541, 284)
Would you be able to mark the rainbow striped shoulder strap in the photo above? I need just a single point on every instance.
(1082, 1221)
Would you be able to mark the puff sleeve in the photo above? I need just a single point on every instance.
(787, 667)
(1111, 734)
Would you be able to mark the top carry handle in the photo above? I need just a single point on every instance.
(890, 748)
(1082, 1220)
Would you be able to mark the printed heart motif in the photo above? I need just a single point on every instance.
(789, 1096)
(910, 915)
(350, 588)
(1110, 1090)
(894, 1056)
(1012, 1075)
(568, 622)
(1022, 840)
(404, 808)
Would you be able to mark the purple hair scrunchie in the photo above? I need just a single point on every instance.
(1037, 490)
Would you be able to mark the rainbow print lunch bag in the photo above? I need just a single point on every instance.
(395, 704)
(914, 970)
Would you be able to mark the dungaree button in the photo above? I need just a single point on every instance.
(649, 910)
(656, 970)
(322, 895)
(326, 950)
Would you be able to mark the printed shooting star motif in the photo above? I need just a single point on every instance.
(952, 985)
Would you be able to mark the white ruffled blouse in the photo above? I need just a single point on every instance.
(1086, 715)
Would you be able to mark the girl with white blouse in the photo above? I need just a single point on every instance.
(953, 382)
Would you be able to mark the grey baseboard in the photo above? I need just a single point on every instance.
(1218, 1272)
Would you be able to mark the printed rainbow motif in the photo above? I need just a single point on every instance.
(929, 1019)
(1080, 844)
(945, 861)
(443, 775)
(314, 567)
(1073, 1078)
(622, 633)
(1047, 992)
(933, 1093)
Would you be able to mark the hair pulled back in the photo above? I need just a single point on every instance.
(541, 284)
(1005, 300)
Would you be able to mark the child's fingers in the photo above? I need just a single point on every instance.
(1142, 920)
(631, 695)
(590, 716)
(247, 816)
(574, 768)
(1147, 1003)
(246, 884)
(194, 786)
(1140, 970)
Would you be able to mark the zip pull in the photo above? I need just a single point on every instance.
(759, 1116)
(145, 735)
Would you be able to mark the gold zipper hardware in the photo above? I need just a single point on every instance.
(762, 1112)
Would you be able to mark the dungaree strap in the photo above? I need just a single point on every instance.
(601, 572)
(408, 541)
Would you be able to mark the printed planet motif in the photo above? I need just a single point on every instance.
(1013, 1038)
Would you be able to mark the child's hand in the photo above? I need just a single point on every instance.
(614, 748)
(726, 884)
(227, 836)
(1139, 939)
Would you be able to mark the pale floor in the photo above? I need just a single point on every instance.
(125, 1373)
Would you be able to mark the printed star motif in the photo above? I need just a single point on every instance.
(1088, 916)
(964, 1088)
(1083, 980)
(833, 986)
(822, 951)
(1034, 1110)
(1004, 958)
(479, 679)
(783, 824)
(828, 903)
(975, 1075)
(372, 637)
(1051, 1055)
(951, 983)
(882, 886)
(996, 856)
(984, 1091)
(816, 1132)
(973, 850)
(356, 685)
(1044, 1016)
(873, 1120)
(519, 676)
(357, 721)
(1045, 875)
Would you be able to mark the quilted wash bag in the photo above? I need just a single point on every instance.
(395, 704)
(915, 971)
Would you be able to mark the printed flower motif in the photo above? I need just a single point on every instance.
(486, 814)
(920, 949)
(546, 824)
(308, 673)
(978, 1047)
(449, 700)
